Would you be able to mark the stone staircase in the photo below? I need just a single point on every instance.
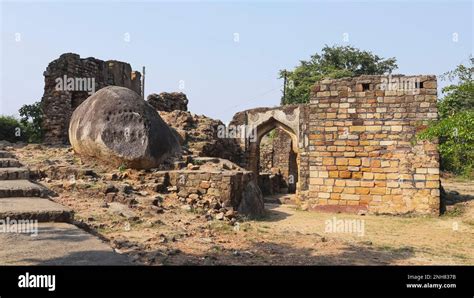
(57, 241)
(21, 198)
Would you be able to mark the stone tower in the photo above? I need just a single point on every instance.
(69, 80)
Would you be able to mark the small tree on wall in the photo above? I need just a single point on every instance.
(334, 62)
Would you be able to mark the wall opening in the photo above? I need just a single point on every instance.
(276, 159)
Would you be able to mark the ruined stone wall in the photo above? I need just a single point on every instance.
(282, 152)
(58, 104)
(362, 153)
(218, 189)
(199, 135)
(266, 154)
(168, 102)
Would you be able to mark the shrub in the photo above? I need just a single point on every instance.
(11, 129)
(31, 118)
(455, 129)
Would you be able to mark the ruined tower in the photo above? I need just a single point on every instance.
(69, 80)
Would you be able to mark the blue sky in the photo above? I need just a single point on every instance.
(194, 42)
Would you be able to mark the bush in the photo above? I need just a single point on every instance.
(11, 129)
(456, 142)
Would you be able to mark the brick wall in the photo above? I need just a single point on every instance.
(362, 153)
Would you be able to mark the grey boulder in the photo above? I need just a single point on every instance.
(117, 126)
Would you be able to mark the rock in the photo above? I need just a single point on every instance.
(147, 201)
(230, 214)
(183, 193)
(205, 184)
(115, 125)
(220, 216)
(110, 188)
(304, 207)
(168, 102)
(193, 196)
(160, 187)
(128, 189)
(186, 208)
(122, 210)
(193, 167)
(252, 204)
(236, 227)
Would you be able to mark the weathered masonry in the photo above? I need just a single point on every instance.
(355, 146)
(69, 80)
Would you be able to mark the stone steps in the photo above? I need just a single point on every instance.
(48, 237)
(9, 163)
(57, 244)
(6, 154)
(42, 210)
(14, 173)
(21, 188)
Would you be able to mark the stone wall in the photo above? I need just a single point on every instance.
(266, 154)
(59, 103)
(362, 152)
(215, 190)
(278, 158)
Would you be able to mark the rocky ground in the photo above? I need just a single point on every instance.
(157, 229)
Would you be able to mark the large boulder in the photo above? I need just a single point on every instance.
(117, 126)
(252, 204)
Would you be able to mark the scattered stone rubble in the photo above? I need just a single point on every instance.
(199, 135)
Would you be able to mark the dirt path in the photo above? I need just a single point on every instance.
(424, 240)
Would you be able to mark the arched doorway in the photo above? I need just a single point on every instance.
(283, 164)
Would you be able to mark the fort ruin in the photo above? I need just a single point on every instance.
(355, 146)
(351, 148)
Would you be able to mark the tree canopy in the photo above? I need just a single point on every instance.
(455, 127)
(334, 62)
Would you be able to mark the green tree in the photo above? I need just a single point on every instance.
(455, 128)
(334, 62)
(460, 95)
(31, 118)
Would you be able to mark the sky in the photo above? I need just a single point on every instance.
(224, 55)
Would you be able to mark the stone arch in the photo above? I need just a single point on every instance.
(262, 129)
